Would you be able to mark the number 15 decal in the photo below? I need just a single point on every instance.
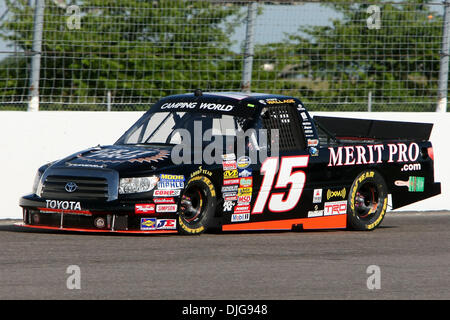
(285, 177)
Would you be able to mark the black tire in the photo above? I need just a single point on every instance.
(367, 201)
(198, 205)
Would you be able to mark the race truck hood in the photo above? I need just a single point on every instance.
(119, 157)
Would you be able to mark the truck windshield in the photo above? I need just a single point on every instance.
(168, 127)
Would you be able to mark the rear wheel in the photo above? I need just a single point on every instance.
(367, 201)
(198, 204)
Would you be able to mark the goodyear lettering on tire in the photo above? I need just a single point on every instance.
(197, 229)
(379, 210)
(208, 183)
(383, 211)
(191, 230)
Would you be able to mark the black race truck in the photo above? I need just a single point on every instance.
(235, 162)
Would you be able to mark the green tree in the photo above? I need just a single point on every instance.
(336, 66)
(138, 50)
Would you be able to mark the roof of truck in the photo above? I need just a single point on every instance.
(238, 103)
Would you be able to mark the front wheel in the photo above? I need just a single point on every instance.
(198, 204)
(367, 201)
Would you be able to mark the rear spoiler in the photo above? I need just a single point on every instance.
(375, 129)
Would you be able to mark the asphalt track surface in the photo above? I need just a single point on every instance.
(411, 251)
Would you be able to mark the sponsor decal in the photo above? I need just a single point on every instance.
(242, 209)
(148, 223)
(313, 151)
(246, 182)
(317, 196)
(119, 155)
(229, 156)
(166, 208)
(414, 184)
(171, 177)
(370, 154)
(144, 208)
(164, 200)
(230, 181)
(230, 198)
(166, 224)
(304, 116)
(166, 193)
(179, 105)
(278, 101)
(230, 194)
(244, 191)
(238, 217)
(315, 213)
(233, 188)
(229, 165)
(193, 105)
(243, 162)
(312, 142)
(335, 208)
(336, 193)
(63, 205)
(216, 107)
(228, 206)
(245, 173)
(169, 184)
(230, 174)
(244, 199)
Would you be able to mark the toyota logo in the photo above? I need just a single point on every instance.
(71, 186)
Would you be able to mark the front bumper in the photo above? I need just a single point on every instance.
(107, 216)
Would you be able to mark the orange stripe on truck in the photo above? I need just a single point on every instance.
(327, 222)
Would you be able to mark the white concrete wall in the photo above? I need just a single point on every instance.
(31, 139)
(28, 140)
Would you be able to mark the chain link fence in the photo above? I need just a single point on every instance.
(126, 54)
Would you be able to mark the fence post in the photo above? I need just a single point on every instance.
(443, 71)
(249, 48)
(108, 101)
(33, 104)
